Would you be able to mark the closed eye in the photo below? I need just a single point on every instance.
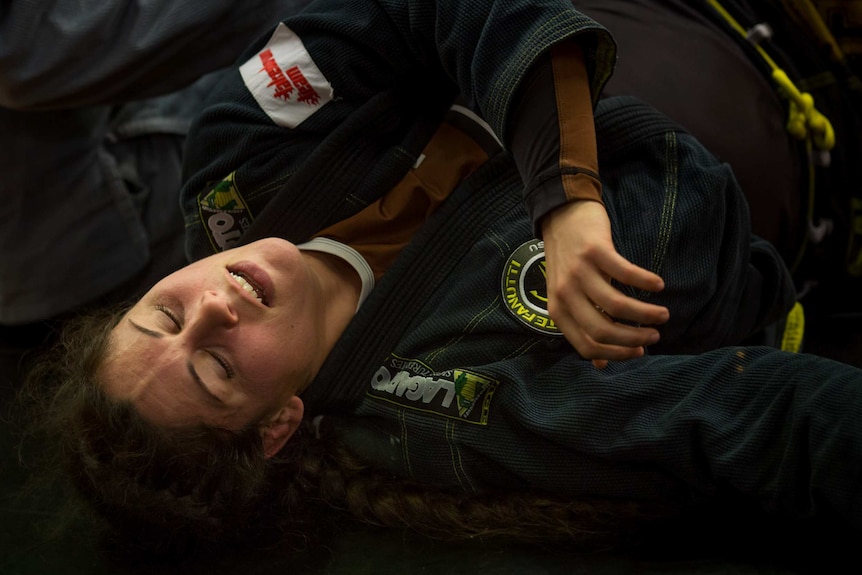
(171, 315)
(228, 370)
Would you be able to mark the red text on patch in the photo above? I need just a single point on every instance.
(284, 83)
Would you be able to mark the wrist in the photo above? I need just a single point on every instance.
(563, 215)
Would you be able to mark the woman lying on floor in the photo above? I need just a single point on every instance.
(370, 321)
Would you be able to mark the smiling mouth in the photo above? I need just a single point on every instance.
(249, 285)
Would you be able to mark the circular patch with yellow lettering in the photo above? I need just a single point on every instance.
(525, 288)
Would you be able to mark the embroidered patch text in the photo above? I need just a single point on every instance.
(285, 81)
(525, 287)
(457, 393)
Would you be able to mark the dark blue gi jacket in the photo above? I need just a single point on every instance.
(451, 373)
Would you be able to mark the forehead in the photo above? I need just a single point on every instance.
(152, 374)
(133, 360)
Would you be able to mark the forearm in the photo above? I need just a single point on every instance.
(553, 137)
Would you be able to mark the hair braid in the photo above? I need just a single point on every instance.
(330, 473)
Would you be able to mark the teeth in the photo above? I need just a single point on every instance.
(246, 286)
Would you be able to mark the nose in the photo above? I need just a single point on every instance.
(214, 311)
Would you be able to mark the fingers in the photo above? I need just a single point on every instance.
(616, 304)
(625, 272)
(601, 329)
(594, 315)
(588, 319)
(601, 313)
(606, 339)
(602, 353)
(621, 307)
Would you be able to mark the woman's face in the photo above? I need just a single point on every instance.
(227, 340)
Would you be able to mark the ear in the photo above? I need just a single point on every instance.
(281, 426)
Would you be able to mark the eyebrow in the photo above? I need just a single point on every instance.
(146, 331)
(191, 368)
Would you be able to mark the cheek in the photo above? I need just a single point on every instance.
(272, 354)
(281, 349)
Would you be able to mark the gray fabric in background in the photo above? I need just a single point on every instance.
(95, 100)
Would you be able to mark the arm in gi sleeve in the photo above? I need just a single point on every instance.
(426, 50)
(553, 137)
(71, 53)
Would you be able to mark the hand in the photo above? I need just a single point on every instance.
(581, 261)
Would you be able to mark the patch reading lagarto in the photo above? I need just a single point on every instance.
(525, 287)
(457, 393)
(224, 213)
(285, 81)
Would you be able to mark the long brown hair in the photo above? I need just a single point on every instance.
(171, 490)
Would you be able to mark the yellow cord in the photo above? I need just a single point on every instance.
(804, 120)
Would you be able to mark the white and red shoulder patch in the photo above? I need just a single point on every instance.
(285, 81)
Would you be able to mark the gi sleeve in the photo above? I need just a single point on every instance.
(553, 139)
(263, 124)
(71, 53)
(485, 49)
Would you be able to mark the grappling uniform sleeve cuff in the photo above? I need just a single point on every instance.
(552, 136)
